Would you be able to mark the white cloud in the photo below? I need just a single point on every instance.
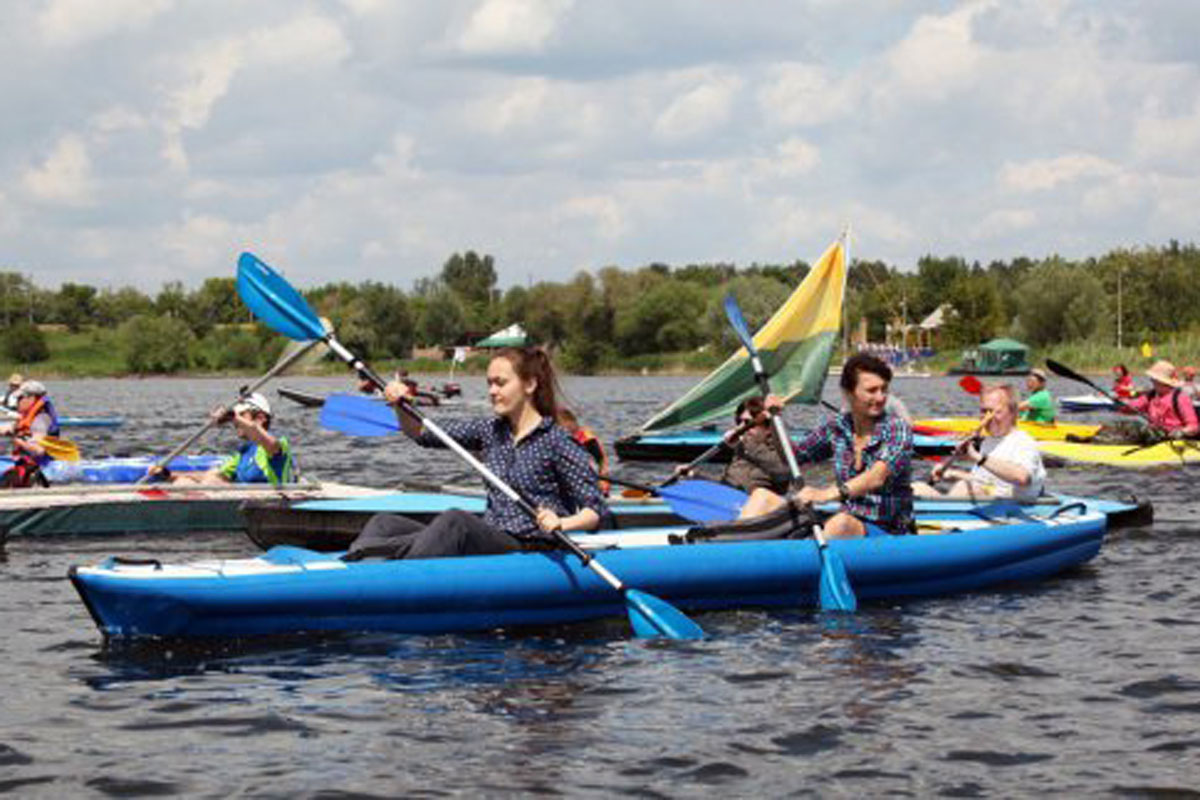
(795, 156)
(68, 23)
(939, 55)
(1004, 221)
(798, 95)
(65, 176)
(503, 27)
(1049, 173)
(700, 108)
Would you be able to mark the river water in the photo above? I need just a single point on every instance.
(1087, 683)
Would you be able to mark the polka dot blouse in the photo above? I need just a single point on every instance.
(548, 468)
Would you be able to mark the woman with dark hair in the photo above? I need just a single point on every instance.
(872, 456)
(524, 445)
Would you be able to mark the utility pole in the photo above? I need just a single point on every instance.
(1120, 271)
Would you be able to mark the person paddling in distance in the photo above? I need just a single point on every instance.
(756, 464)
(1006, 462)
(1123, 382)
(262, 457)
(12, 394)
(524, 445)
(1039, 406)
(36, 420)
(1167, 405)
(872, 457)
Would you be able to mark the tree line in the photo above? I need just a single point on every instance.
(601, 319)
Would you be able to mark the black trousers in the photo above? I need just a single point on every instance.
(451, 533)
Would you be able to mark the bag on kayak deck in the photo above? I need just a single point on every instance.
(788, 522)
(25, 473)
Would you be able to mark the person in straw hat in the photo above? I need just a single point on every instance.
(1039, 406)
(11, 396)
(1167, 406)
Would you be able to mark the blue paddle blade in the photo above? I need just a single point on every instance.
(358, 415)
(836, 592)
(703, 501)
(733, 312)
(652, 618)
(275, 302)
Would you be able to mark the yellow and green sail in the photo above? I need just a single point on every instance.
(795, 345)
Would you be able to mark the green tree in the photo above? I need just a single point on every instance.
(1045, 296)
(114, 306)
(75, 305)
(470, 276)
(26, 344)
(669, 317)
(157, 344)
(443, 319)
(388, 315)
(976, 312)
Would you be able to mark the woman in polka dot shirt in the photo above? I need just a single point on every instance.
(522, 444)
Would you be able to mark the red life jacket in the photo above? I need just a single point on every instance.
(590, 442)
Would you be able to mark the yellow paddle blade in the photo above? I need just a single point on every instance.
(60, 449)
(1147, 350)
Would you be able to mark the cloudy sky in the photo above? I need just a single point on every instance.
(153, 140)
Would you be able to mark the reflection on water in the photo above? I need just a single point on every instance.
(1085, 683)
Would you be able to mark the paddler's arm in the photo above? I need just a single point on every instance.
(30, 444)
(253, 430)
(410, 423)
(863, 484)
(1002, 468)
(585, 520)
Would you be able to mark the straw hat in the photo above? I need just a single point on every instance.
(16, 379)
(1163, 372)
(1038, 373)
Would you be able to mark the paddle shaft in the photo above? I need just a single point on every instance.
(733, 436)
(489, 476)
(1066, 372)
(258, 384)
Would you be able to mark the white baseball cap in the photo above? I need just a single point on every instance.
(252, 402)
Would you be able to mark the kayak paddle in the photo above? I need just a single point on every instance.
(280, 306)
(970, 384)
(291, 354)
(725, 442)
(836, 593)
(694, 500)
(60, 449)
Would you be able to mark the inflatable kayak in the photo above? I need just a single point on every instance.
(1131, 456)
(683, 446)
(331, 525)
(117, 470)
(81, 422)
(123, 509)
(1041, 431)
(292, 590)
(1094, 403)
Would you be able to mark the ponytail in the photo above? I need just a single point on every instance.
(533, 364)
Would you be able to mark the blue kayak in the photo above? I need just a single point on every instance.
(331, 525)
(91, 422)
(117, 470)
(293, 590)
(683, 446)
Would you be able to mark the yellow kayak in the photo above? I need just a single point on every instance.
(1121, 455)
(1041, 431)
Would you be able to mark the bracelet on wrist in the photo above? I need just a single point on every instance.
(843, 490)
(982, 460)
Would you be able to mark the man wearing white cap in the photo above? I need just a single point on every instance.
(262, 458)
